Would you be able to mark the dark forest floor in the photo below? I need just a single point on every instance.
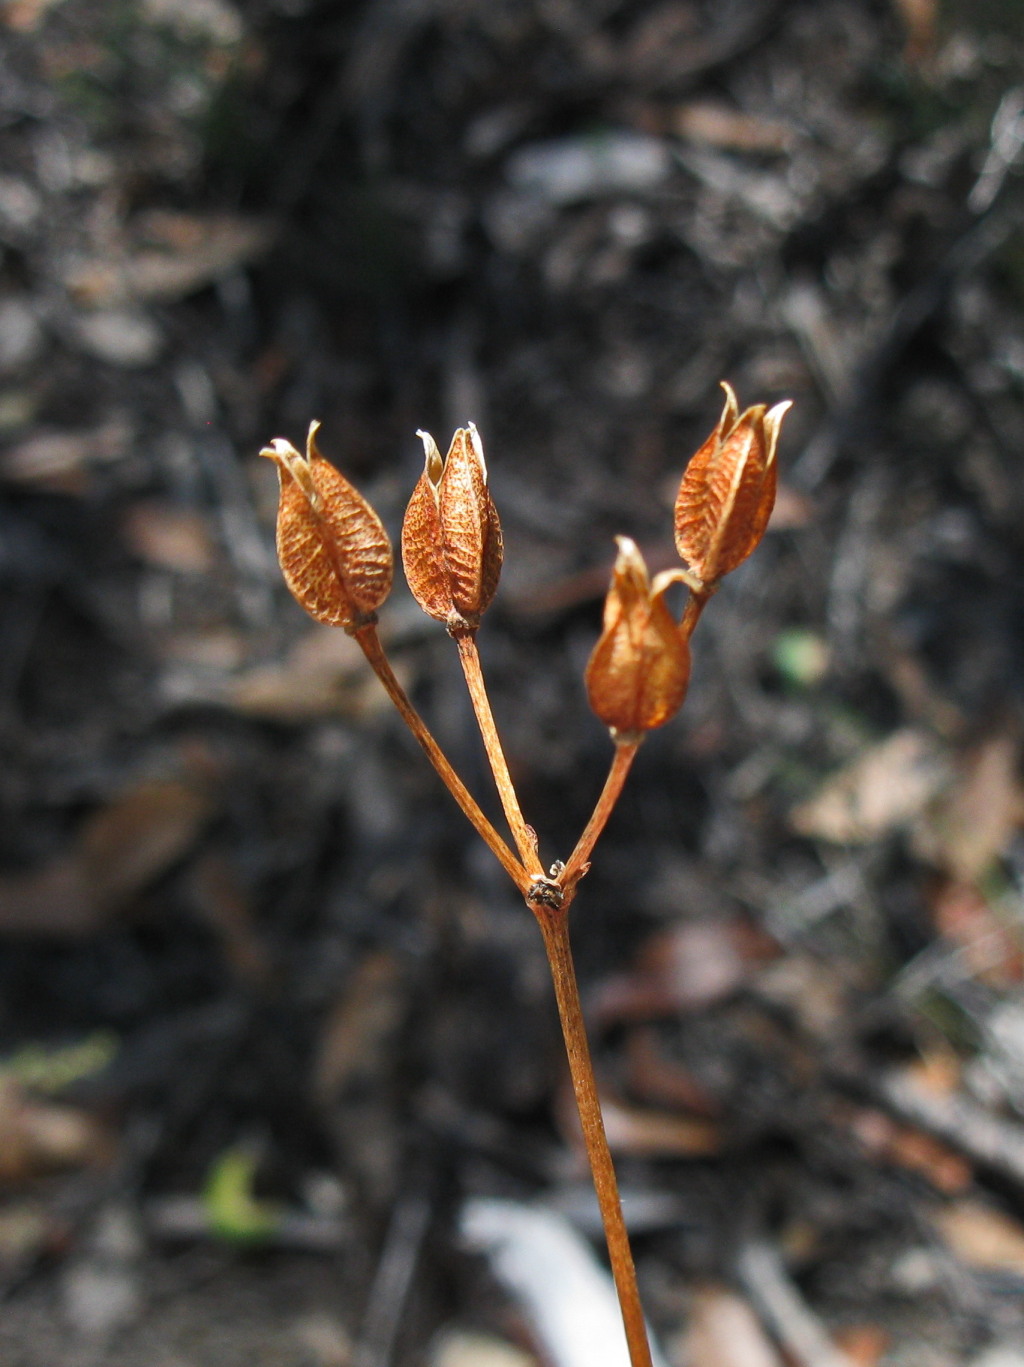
(271, 1023)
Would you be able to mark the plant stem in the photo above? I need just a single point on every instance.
(695, 605)
(525, 838)
(554, 925)
(555, 929)
(371, 647)
(576, 867)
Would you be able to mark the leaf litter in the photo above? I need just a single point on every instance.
(564, 227)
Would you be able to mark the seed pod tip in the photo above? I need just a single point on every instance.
(728, 490)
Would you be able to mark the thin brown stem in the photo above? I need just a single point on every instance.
(525, 838)
(695, 605)
(576, 867)
(555, 929)
(369, 641)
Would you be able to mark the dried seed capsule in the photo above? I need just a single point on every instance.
(640, 668)
(451, 536)
(334, 551)
(728, 491)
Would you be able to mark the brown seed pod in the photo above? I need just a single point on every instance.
(334, 551)
(451, 536)
(728, 491)
(422, 554)
(640, 668)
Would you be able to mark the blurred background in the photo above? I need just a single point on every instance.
(269, 1016)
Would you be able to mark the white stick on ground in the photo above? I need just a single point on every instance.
(552, 1272)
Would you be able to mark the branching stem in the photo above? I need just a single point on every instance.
(338, 563)
(554, 925)
(371, 647)
(695, 605)
(525, 838)
(622, 761)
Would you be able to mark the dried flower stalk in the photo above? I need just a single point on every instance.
(337, 562)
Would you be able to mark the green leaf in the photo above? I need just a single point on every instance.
(234, 1212)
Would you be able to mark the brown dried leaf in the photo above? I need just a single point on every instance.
(655, 1079)
(937, 1072)
(64, 460)
(359, 1031)
(983, 1237)
(24, 16)
(885, 788)
(863, 1344)
(725, 1332)
(119, 851)
(172, 538)
(323, 675)
(920, 21)
(687, 968)
(220, 896)
(38, 1137)
(172, 255)
(646, 1133)
(191, 251)
(989, 948)
(639, 670)
(334, 551)
(885, 1140)
(123, 847)
(983, 811)
(716, 125)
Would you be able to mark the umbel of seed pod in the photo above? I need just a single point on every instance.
(451, 536)
(333, 549)
(728, 491)
(640, 668)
